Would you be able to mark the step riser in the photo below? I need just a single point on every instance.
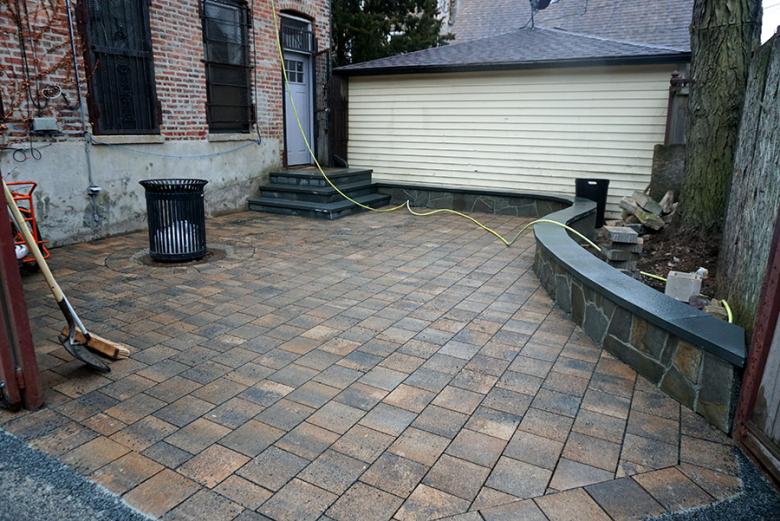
(317, 210)
(314, 198)
(318, 181)
(326, 215)
(307, 194)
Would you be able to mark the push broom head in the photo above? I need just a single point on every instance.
(83, 348)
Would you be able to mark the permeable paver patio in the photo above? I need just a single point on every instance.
(376, 367)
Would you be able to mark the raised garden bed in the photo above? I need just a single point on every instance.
(664, 247)
(664, 251)
(692, 356)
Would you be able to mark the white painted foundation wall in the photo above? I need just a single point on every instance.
(65, 212)
(531, 130)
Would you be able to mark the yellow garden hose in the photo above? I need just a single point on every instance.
(406, 204)
(652, 276)
(723, 301)
(728, 311)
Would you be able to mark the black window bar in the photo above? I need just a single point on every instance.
(122, 97)
(296, 36)
(228, 66)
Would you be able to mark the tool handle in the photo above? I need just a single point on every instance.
(59, 296)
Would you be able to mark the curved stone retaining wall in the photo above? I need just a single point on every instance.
(693, 357)
(503, 202)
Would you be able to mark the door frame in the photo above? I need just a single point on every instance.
(313, 130)
(764, 330)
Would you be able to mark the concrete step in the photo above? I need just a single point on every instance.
(330, 211)
(311, 177)
(321, 194)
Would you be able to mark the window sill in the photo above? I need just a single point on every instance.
(216, 138)
(128, 139)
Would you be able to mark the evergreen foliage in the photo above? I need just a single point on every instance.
(369, 29)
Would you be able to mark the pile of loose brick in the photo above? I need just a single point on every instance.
(641, 208)
(624, 248)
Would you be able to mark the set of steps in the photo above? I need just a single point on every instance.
(305, 192)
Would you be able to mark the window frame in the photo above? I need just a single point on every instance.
(243, 126)
(97, 90)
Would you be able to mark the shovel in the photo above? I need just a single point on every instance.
(76, 339)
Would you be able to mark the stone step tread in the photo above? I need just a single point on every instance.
(314, 190)
(311, 172)
(318, 181)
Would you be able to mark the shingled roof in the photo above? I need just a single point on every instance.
(663, 23)
(523, 48)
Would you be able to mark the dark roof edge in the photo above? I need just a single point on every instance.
(355, 70)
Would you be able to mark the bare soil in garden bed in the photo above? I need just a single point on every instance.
(671, 249)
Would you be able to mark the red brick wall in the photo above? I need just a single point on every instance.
(50, 49)
(179, 71)
(269, 79)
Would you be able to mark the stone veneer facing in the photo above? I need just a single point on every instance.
(463, 200)
(687, 373)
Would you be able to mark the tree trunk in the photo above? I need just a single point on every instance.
(755, 189)
(723, 36)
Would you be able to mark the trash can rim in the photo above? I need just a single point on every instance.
(172, 181)
(173, 184)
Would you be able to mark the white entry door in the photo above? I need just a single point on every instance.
(300, 85)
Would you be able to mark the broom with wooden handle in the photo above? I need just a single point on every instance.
(75, 338)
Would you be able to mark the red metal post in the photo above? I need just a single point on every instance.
(18, 365)
(10, 395)
(763, 333)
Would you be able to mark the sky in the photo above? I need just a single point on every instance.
(771, 18)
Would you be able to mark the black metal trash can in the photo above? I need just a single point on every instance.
(595, 190)
(177, 219)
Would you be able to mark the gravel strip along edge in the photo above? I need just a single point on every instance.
(36, 487)
(758, 500)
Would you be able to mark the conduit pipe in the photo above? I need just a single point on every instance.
(92, 190)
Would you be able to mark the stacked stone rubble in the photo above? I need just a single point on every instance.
(624, 248)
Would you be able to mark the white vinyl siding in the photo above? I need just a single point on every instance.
(529, 130)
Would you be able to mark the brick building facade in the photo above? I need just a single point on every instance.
(161, 97)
